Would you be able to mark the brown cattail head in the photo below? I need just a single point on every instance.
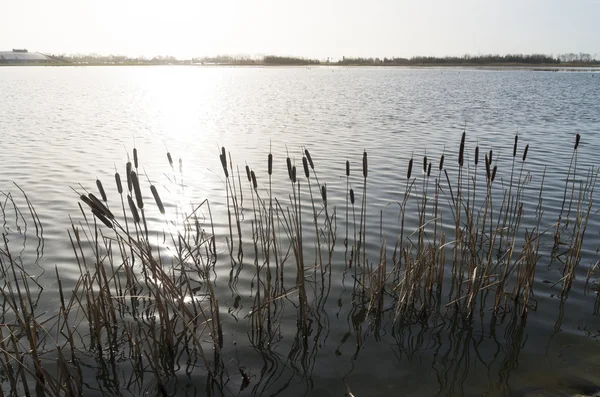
(100, 216)
(138, 191)
(442, 162)
(461, 151)
(223, 158)
(305, 165)
(294, 174)
(428, 170)
(135, 158)
(128, 169)
(170, 159)
(577, 138)
(248, 173)
(487, 168)
(119, 185)
(491, 157)
(424, 164)
(134, 212)
(289, 167)
(100, 206)
(101, 190)
(253, 176)
(324, 194)
(410, 163)
(347, 168)
(365, 166)
(525, 152)
(515, 146)
(307, 154)
(159, 203)
(352, 196)
(494, 173)
(270, 164)
(476, 155)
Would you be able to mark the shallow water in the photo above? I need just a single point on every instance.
(61, 127)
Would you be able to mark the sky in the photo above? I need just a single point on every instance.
(308, 28)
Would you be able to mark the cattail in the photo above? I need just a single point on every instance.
(515, 146)
(170, 159)
(494, 173)
(428, 170)
(248, 173)
(118, 180)
(324, 194)
(159, 203)
(491, 157)
(223, 158)
(135, 158)
(289, 167)
(525, 152)
(442, 162)
(365, 167)
(410, 162)
(347, 168)
(294, 174)
(461, 151)
(138, 191)
(253, 176)
(101, 190)
(476, 155)
(487, 167)
(270, 163)
(134, 212)
(86, 200)
(352, 196)
(577, 138)
(100, 216)
(128, 170)
(424, 164)
(224, 154)
(305, 165)
(180, 166)
(100, 206)
(312, 166)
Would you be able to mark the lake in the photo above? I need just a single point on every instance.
(61, 128)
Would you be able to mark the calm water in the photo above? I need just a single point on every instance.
(62, 127)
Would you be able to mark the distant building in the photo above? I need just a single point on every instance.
(22, 56)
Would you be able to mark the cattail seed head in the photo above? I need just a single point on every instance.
(119, 185)
(100, 206)
(138, 191)
(487, 167)
(577, 138)
(365, 166)
(135, 158)
(515, 146)
(491, 157)
(494, 173)
(347, 168)
(424, 164)
(289, 167)
(159, 203)
(324, 194)
(100, 216)
(442, 162)
(128, 169)
(410, 163)
(253, 176)
(101, 190)
(134, 212)
(305, 165)
(170, 159)
(352, 196)
(294, 174)
(428, 170)
(248, 173)
(270, 164)
(476, 155)
(461, 151)
(312, 166)
(525, 152)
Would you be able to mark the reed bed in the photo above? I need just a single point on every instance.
(147, 299)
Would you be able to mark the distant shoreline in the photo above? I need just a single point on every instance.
(490, 66)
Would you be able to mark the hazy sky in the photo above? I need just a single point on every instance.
(311, 28)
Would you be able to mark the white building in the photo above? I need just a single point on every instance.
(22, 56)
